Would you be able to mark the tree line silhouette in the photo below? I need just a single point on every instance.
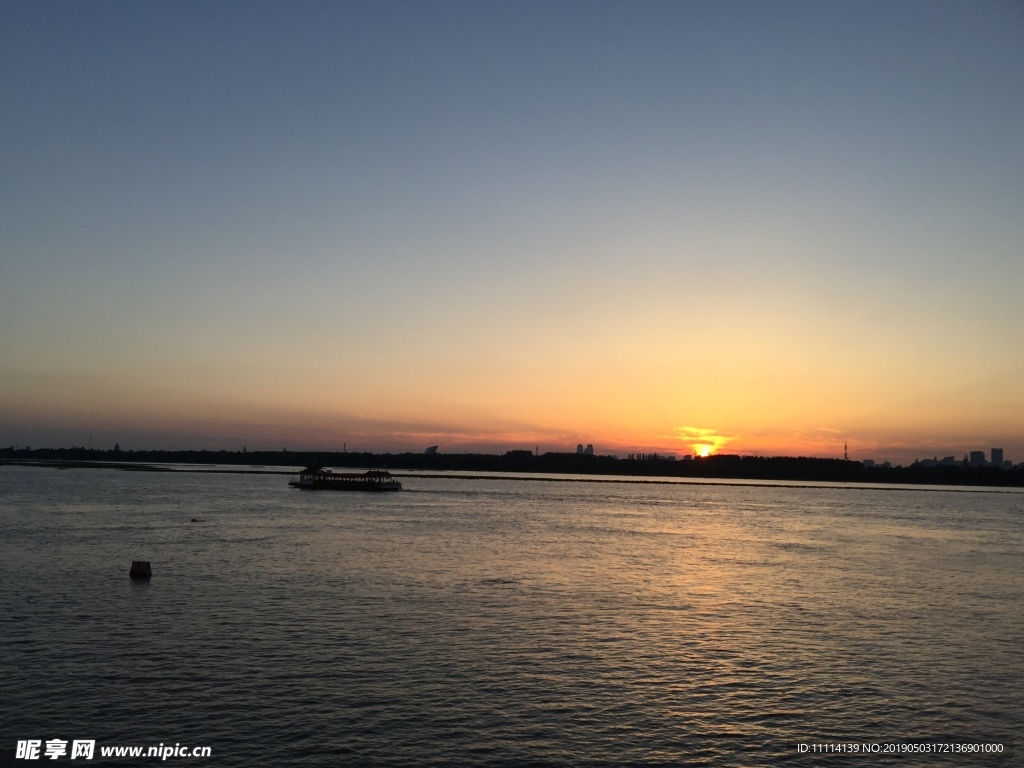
(720, 466)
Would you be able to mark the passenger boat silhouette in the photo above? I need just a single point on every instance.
(316, 478)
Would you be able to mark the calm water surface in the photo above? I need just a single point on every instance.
(503, 622)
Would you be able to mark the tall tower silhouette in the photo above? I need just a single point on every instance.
(846, 454)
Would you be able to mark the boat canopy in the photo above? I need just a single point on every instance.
(317, 471)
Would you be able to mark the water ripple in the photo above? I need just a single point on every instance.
(500, 623)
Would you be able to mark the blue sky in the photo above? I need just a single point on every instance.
(493, 224)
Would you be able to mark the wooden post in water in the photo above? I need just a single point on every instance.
(140, 569)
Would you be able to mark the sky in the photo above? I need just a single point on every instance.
(762, 228)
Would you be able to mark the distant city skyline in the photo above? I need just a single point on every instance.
(970, 457)
(703, 227)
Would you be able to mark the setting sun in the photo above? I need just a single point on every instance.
(703, 440)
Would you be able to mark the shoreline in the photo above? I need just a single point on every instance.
(754, 482)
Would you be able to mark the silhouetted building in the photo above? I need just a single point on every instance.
(579, 448)
(589, 450)
(431, 450)
(948, 461)
(997, 457)
(977, 459)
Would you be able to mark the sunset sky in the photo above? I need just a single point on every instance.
(766, 227)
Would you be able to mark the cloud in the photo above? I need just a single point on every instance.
(703, 440)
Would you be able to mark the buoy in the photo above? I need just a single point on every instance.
(140, 569)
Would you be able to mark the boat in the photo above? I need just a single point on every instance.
(316, 478)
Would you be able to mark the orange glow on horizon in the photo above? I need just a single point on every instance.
(703, 440)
